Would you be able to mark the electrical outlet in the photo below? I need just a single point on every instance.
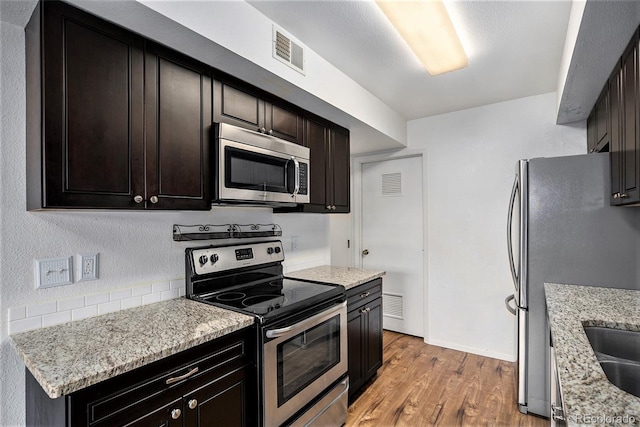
(88, 267)
(294, 243)
(53, 272)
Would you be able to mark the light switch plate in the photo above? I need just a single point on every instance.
(87, 267)
(53, 272)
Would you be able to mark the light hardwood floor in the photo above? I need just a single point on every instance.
(424, 385)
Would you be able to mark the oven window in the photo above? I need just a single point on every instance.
(253, 171)
(307, 356)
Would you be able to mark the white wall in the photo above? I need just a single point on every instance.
(470, 160)
(135, 248)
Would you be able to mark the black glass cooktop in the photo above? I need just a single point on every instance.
(272, 298)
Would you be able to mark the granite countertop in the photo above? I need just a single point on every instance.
(345, 276)
(588, 395)
(71, 356)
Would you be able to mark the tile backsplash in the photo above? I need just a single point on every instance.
(54, 312)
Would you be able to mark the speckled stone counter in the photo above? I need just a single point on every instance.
(589, 397)
(345, 276)
(71, 356)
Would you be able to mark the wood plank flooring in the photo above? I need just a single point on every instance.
(424, 385)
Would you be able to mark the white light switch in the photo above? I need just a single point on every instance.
(53, 272)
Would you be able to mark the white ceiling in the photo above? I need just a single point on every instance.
(514, 50)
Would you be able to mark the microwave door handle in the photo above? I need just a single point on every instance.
(512, 265)
(296, 188)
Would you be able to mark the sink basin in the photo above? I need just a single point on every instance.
(624, 375)
(614, 342)
(618, 352)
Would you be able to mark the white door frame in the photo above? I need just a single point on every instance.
(358, 162)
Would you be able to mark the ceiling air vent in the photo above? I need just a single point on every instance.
(288, 51)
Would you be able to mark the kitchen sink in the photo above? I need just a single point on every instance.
(618, 352)
(624, 375)
(614, 342)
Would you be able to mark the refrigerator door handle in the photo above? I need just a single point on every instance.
(507, 301)
(512, 202)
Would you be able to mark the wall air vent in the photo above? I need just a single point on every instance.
(287, 50)
(392, 184)
(392, 306)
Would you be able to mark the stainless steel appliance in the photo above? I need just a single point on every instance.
(256, 168)
(561, 229)
(302, 329)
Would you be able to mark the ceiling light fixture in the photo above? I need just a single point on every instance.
(427, 28)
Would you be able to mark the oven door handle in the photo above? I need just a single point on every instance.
(275, 333)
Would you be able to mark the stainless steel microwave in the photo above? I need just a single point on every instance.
(255, 168)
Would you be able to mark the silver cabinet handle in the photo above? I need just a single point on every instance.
(364, 294)
(365, 252)
(623, 195)
(175, 414)
(270, 131)
(263, 130)
(138, 199)
(557, 414)
(193, 404)
(365, 310)
(154, 199)
(616, 195)
(182, 377)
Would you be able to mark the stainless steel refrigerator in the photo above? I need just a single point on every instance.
(561, 229)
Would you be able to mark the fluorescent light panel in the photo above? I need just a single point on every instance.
(427, 28)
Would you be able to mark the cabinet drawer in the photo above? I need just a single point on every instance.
(364, 294)
(112, 399)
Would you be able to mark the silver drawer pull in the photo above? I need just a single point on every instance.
(364, 294)
(175, 414)
(193, 404)
(182, 377)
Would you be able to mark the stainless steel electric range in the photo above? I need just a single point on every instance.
(302, 329)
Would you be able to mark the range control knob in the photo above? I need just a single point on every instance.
(214, 258)
(203, 259)
(270, 251)
(278, 250)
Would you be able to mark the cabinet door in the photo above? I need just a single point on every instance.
(340, 170)
(591, 133)
(615, 148)
(170, 415)
(222, 402)
(317, 139)
(93, 111)
(630, 141)
(373, 359)
(178, 124)
(237, 105)
(355, 338)
(602, 122)
(284, 123)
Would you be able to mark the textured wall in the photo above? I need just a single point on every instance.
(471, 157)
(135, 247)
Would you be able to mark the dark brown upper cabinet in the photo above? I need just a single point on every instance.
(625, 146)
(178, 123)
(329, 174)
(92, 90)
(614, 126)
(242, 105)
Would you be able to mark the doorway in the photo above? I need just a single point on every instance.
(393, 239)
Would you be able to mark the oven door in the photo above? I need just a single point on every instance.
(254, 174)
(301, 361)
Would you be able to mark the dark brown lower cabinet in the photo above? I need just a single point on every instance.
(364, 332)
(218, 389)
